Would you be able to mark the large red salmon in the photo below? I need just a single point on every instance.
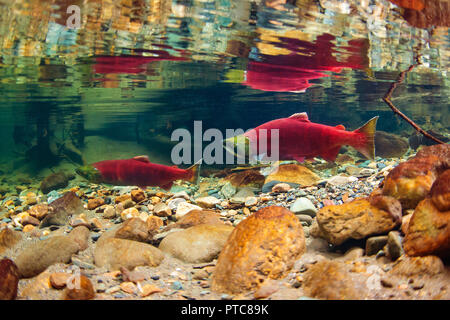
(137, 171)
(301, 139)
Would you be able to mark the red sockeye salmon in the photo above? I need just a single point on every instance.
(137, 171)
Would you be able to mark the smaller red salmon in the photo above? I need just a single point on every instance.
(137, 171)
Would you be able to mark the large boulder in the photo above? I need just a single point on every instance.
(411, 181)
(263, 246)
(353, 220)
(9, 279)
(38, 256)
(201, 243)
(442, 151)
(428, 230)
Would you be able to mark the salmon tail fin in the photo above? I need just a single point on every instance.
(366, 145)
(195, 172)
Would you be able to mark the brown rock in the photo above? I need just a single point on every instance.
(196, 217)
(293, 173)
(375, 244)
(132, 276)
(128, 287)
(135, 229)
(116, 253)
(428, 231)
(388, 204)
(137, 195)
(95, 203)
(39, 255)
(440, 192)
(40, 211)
(58, 280)
(263, 246)
(122, 198)
(37, 287)
(330, 280)
(442, 151)
(9, 238)
(154, 224)
(411, 181)
(201, 243)
(410, 266)
(109, 212)
(434, 14)
(353, 220)
(281, 187)
(405, 223)
(62, 208)
(246, 178)
(9, 279)
(149, 289)
(30, 220)
(162, 210)
(28, 228)
(80, 289)
(80, 220)
(80, 235)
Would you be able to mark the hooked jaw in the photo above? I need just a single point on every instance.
(90, 173)
(238, 146)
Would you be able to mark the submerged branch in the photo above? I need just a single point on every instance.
(387, 98)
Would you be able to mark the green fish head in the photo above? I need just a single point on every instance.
(90, 173)
(238, 146)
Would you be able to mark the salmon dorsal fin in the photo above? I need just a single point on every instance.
(340, 127)
(142, 159)
(302, 116)
(174, 166)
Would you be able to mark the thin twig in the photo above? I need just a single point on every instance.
(388, 96)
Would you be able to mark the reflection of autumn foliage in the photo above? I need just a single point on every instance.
(425, 13)
(410, 4)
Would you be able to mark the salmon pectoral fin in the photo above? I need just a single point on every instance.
(167, 186)
(365, 143)
(299, 159)
(331, 154)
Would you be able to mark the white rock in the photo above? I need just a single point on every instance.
(251, 201)
(173, 203)
(185, 207)
(338, 180)
(207, 202)
(181, 194)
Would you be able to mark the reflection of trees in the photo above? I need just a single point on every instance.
(51, 135)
